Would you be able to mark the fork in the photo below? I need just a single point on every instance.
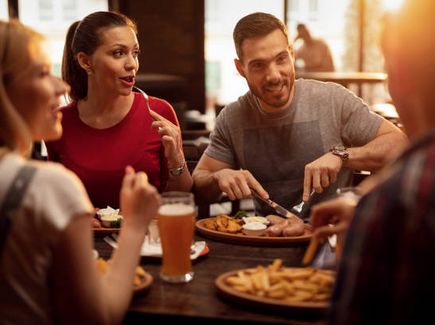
(298, 208)
(144, 94)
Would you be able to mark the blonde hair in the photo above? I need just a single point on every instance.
(15, 45)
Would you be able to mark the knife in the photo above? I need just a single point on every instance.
(278, 208)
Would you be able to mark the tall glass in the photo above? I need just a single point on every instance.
(176, 220)
(353, 194)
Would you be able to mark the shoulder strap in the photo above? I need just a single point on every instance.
(13, 199)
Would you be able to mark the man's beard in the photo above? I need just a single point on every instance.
(275, 101)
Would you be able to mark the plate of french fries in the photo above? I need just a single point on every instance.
(278, 287)
(227, 229)
(142, 280)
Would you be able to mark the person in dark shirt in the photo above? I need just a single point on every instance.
(386, 271)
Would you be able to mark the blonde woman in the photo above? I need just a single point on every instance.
(47, 271)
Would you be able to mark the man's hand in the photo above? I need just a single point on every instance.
(332, 216)
(237, 184)
(321, 173)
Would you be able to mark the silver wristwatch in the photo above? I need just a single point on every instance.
(177, 171)
(340, 151)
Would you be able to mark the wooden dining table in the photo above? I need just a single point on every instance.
(199, 302)
(346, 78)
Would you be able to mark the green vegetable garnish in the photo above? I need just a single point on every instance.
(241, 214)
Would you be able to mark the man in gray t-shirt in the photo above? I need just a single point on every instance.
(286, 138)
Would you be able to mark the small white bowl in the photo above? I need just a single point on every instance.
(256, 219)
(254, 228)
(111, 220)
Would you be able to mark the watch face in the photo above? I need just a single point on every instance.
(340, 151)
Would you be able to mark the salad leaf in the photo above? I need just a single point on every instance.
(241, 214)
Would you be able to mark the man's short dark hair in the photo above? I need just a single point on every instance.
(256, 25)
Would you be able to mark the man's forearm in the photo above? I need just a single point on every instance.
(205, 187)
(375, 154)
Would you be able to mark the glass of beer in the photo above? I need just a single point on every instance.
(176, 220)
(352, 194)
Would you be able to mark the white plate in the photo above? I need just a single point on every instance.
(155, 250)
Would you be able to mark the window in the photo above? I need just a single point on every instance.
(53, 17)
(322, 22)
(4, 10)
(223, 83)
(339, 28)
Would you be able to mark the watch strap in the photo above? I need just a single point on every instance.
(340, 151)
(177, 171)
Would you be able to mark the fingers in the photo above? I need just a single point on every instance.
(128, 179)
(256, 186)
(324, 178)
(166, 129)
(332, 176)
(157, 117)
(324, 232)
(170, 135)
(141, 179)
(307, 184)
(319, 174)
(162, 124)
(129, 170)
(331, 217)
(317, 186)
(236, 183)
(238, 189)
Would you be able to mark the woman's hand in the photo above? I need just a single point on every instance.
(140, 201)
(171, 139)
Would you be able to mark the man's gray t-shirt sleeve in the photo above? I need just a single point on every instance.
(221, 147)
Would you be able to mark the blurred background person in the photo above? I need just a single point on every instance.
(313, 54)
(47, 270)
(107, 126)
(386, 271)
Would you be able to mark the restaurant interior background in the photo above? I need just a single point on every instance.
(186, 46)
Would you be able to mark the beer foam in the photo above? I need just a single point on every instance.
(176, 209)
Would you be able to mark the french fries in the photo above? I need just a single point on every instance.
(287, 284)
(311, 251)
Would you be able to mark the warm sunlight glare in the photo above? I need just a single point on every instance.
(392, 5)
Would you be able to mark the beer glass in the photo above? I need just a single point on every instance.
(354, 194)
(176, 220)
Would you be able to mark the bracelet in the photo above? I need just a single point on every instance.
(177, 171)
